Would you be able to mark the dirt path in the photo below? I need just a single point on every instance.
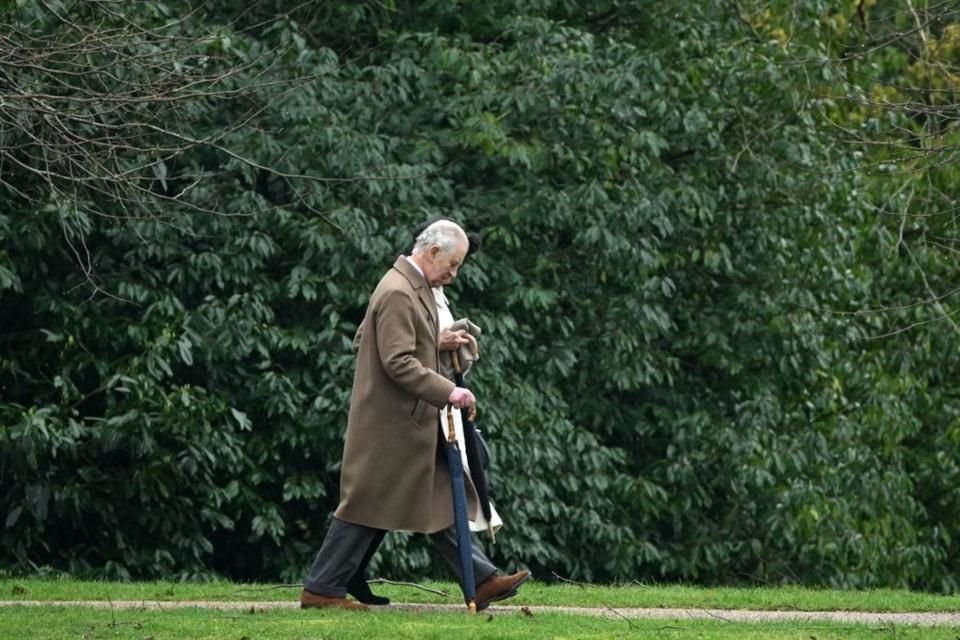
(727, 615)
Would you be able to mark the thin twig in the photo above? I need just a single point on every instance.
(408, 584)
(607, 606)
(373, 581)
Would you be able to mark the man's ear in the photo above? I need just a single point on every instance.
(434, 251)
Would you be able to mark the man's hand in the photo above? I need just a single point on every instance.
(461, 398)
(451, 340)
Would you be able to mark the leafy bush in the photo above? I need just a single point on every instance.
(680, 377)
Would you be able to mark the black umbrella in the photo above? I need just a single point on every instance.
(460, 518)
(475, 450)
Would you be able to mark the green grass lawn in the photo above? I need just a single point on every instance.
(253, 623)
(56, 623)
(532, 593)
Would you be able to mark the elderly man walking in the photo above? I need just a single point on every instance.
(392, 476)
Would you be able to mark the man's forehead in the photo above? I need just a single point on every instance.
(459, 251)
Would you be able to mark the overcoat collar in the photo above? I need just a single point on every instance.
(419, 284)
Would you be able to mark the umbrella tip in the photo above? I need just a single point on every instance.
(472, 607)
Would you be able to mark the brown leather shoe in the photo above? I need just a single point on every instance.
(310, 600)
(496, 588)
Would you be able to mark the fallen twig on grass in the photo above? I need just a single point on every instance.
(608, 607)
(409, 584)
(373, 581)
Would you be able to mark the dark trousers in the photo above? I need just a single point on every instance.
(346, 544)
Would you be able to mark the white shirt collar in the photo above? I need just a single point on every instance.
(415, 266)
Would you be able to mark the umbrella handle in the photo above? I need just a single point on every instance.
(455, 359)
(451, 432)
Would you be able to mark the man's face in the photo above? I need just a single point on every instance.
(442, 267)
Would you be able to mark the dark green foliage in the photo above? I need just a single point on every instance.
(681, 375)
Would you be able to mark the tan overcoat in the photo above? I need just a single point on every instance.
(392, 476)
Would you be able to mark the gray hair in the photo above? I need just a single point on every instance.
(444, 233)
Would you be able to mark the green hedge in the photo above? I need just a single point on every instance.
(680, 379)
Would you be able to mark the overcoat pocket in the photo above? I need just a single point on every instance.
(419, 410)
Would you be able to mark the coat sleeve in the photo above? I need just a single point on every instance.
(396, 323)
